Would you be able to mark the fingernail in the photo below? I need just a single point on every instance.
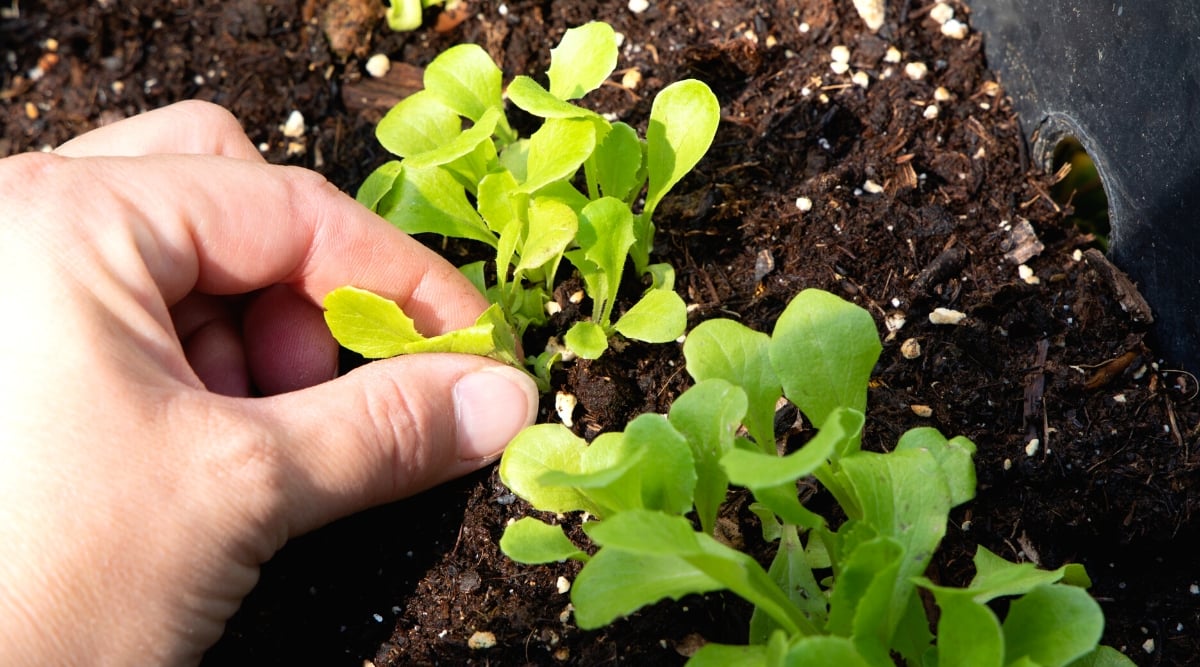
(490, 407)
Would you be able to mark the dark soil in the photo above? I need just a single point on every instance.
(1112, 485)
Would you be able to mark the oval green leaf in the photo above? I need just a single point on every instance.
(586, 339)
(584, 58)
(683, 121)
(659, 317)
(465, 79)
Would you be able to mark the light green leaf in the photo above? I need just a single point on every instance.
(418, 124)
(529, 96)
(431, 200)
(968, 632)
(659, 317)
(734, 352)
(514, 157)
(683, 121)
(1104, 656)
(586, 339)
(1052, 625)
(793, 573)
(532, 542)
(376, 327)
(378, 184)
(756, 470)
(708, 415)
(617, 583)
(404, 15)
(954, 457)
(505, 211)
(654, 535)
(618, 163)
(662, 276)
(552, 226)
(461, 145)
(996, 577)
(608, 477)
(584, 58)
(668, 480)
(611, 477)
(605, 235)
(904, 497)
(557, 150)
(726, 655)
(823, 350)
(782, 500)
(540, 449)
(810, 651)
(465, 79)
(863, 595)
(367, 323)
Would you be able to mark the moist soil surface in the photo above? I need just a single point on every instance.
(922, 196)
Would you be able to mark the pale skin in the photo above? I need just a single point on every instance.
(169, 411)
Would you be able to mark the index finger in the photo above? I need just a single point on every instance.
(228, 226)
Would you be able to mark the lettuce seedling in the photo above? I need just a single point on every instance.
(464, 172)
(405, 15)
(376, 328)
(839, 597)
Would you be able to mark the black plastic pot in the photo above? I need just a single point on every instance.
(1122, 77)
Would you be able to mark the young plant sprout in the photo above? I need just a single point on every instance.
(830, 597)
(464, 172)
(405, 15)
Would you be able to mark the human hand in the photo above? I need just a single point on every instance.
(147, 294)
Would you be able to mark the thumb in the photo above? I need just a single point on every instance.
(390, 429)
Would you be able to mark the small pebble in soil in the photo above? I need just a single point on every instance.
(872, 188)
(639, 6)
(895, 321)
(941, 13)
(922, 411)
(1008, 464)
(564, 407)
(1148, 645)
(1032, 446)
(840, 54)
(872, 12)
(378, 65)
(562, 585)
(804, 204)
(1026, 274)
(946, 316)
(955, 29)
(910, 348)
(838, 67)
(631, 79)
(861, 79)
(481, 640)
(293, 127)
(931, 112)
(804, 27)
(941, 94)
(916, 71)
(893, 56)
